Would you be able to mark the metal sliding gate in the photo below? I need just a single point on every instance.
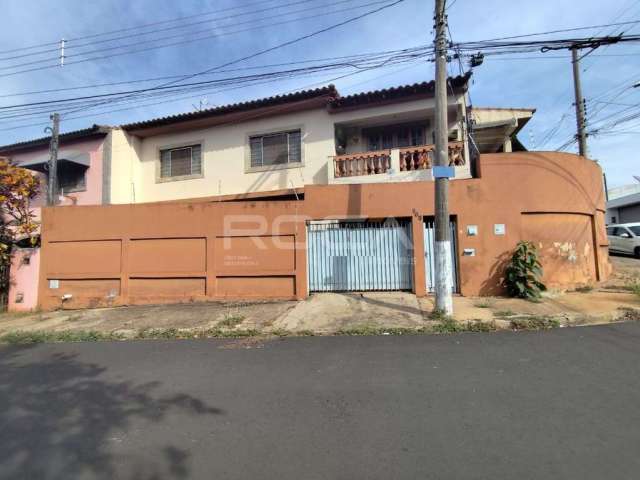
(429, 249)
(360, 256)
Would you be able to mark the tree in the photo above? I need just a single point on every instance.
(17, 220)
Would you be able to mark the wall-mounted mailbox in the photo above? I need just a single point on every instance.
(499, 229)
(472, 230)
(469, 252)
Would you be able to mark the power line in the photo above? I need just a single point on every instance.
(284, 44)
(208, 35)
(127, 29)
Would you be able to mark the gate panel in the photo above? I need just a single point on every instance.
(360, 256)
(429, 249)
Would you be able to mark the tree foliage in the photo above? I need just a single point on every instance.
(17, 220)
(523, 272)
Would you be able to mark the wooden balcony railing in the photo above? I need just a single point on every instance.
(380, 161)
(365, 163)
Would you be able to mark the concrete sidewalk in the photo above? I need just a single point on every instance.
(325, 313)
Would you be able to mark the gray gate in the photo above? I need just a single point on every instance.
(360, 256)
(429, 247)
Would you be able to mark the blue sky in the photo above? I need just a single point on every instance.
(543, 82)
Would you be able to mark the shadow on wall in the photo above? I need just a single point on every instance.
(61, 420)
(492, 286)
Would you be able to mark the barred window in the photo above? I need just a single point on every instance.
(180, 162)
(276, 148)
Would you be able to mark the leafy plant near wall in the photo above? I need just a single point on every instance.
(523, 273)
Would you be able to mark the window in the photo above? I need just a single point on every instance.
(611, 231)
(394, 136)
(635, 230)
(276, 149)
(71, 177)
(181, 162)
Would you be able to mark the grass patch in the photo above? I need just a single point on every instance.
(371, 330)
(449, 325)
(231, 320)
(486, 302)
(634, 287)
(504, 313)
(480, 326)
(534, 323)
(21, 337)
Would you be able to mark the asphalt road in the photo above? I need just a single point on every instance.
(536, 405)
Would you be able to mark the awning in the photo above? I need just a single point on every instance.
(71, 157)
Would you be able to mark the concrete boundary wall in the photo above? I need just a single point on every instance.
(190, 251)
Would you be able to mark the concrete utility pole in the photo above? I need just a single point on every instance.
(52, 185)
(580, 117)
(443, 264)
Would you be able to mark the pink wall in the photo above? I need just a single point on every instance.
(24, 278)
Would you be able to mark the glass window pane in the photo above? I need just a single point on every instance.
(196, 160)
(275, 149)
(255, 145)
(295, 147)
(181, 162)
(635, 230)
(165, 163)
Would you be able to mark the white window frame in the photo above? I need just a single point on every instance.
(180, 146)
(274, 132)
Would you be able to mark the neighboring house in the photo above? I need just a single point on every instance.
(495, 129)
(624, 209)
(80, 182)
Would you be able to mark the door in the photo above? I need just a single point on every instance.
(359, 256)
(429, 250)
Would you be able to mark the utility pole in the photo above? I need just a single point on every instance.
(52, 185)
(580, 117)
(443, 264)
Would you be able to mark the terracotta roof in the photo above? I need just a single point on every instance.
(328, 91)
(405, 92)
(95, 130)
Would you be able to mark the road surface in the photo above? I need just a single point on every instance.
(528, 405)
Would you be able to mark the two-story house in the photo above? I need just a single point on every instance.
(314, 191)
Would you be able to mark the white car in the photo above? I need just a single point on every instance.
(624, 238)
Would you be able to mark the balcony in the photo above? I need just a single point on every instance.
(395, 164)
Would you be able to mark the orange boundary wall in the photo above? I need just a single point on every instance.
(205, 250)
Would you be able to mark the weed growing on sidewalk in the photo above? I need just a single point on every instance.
(534, 323)
(40, 336)
(486, 302)
(231, 320)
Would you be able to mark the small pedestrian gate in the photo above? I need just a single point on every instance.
(360, 256)
(429, 249)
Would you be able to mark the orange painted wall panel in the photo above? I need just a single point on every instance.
(565, 243)
(166, 287)
(168, 255)
(83, 258)
(256, 287)
(249, 255)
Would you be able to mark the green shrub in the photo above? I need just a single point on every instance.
(523, 273)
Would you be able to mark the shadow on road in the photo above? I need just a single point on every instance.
(59, 420)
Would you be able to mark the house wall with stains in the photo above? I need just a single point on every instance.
(186, 251)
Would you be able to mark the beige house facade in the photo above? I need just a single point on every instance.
(284, 143)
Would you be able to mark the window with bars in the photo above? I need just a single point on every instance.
(276, 148)
(181, 162)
